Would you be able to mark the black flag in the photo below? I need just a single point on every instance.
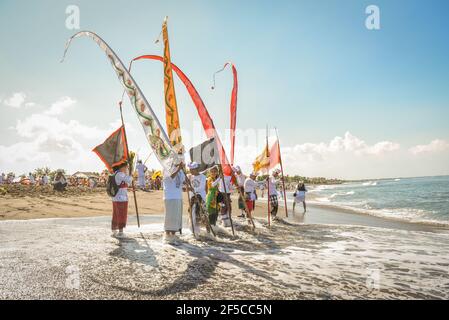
(205, 154)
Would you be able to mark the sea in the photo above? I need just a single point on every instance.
(419, 200)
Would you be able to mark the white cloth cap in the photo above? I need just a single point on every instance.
(193, 165)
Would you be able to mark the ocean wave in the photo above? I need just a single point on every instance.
(338, 194)
(409, 215)
(369, 183)
(323, 187)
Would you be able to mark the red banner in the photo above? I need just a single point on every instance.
(203, 113)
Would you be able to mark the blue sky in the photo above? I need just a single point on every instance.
(311, 68)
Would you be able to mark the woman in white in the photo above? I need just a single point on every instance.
(173, 200)
(300, 196)
(198, 196)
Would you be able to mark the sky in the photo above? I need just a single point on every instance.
(348, 102)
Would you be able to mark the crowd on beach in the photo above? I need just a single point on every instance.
(59, 181)
(209, 194)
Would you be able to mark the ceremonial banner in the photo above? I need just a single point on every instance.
(205, 154)
(233, 106)
(154, 132)
(171, 107)
(206, 119)
(113, 151)
(268, 159)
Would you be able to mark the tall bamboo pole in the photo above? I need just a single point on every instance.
(228, 203)
(268, 178)
(282, 173)
(132, 181)
(189, 185)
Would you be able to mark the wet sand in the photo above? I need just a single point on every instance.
(76, 258)
(323, 255)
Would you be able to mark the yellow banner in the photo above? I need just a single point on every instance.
(262, 161)
(171, 107)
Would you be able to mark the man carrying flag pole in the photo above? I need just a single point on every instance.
(129, 165)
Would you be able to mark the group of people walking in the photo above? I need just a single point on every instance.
(209, 196)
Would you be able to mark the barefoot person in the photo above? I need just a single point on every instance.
(273, 194)
(120, 200)
(197, 195)
(172, 184)
(213, 197)
(224, 187)
(240, 177)
(250, 192)
(300, 196)
(141, 169)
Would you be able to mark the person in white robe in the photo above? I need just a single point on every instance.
(225, 189)
(172, 185)
(273, 193)
(250, 186)
(141, 169)
(198, 196)
(240, 177)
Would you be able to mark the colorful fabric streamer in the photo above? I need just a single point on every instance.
(233, 106)
(171, 107)
(154, 132)
(206, 120)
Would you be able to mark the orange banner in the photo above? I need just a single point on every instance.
(171, 107)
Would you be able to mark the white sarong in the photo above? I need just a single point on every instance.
(173, 215)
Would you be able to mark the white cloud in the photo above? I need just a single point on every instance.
(16, 100)
(348, 144)
(436, 145)
(29, 104)
(60, 106)
(50, 141)
(342, 156)
(382, 148)
(43, 124)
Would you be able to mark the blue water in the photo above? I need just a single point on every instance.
(422, 200)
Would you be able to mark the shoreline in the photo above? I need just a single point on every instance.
(96, 203)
